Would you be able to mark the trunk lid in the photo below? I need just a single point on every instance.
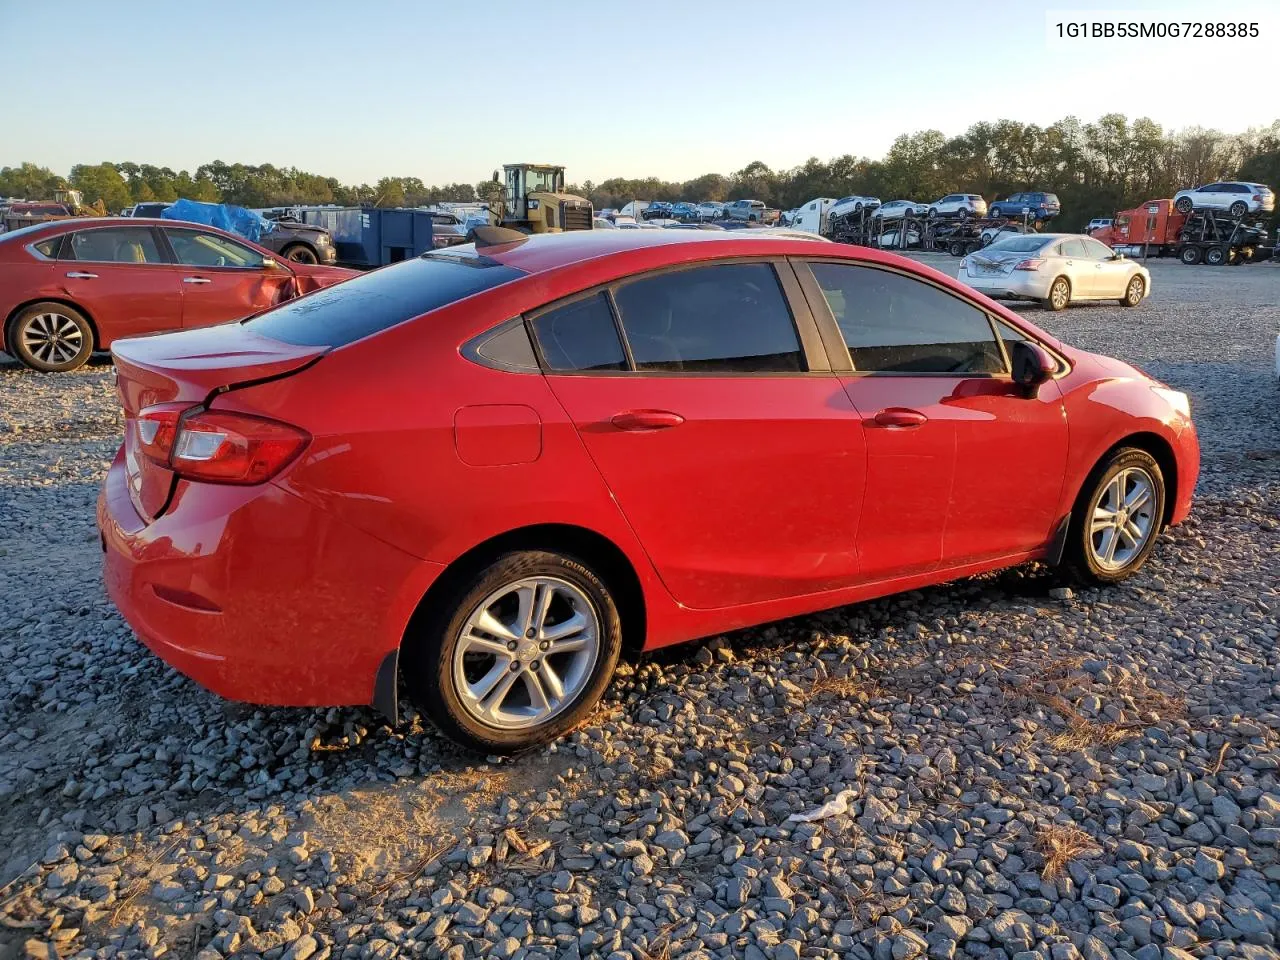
(996, 264)
(184, 369)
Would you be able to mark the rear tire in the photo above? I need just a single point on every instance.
(1059, 295)
(51, 337)
(1117, 519)
(1190, 256)
(1183, 205)
(1215, 256)
(1239, 209)
(300, 253)
(956, 249)
(476, 663)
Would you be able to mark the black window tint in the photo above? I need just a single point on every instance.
(725, 318)
(116, 245)
(896, 324)
(375, 301)
(580, 336)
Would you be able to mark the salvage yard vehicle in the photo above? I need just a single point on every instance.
(814, 216)
(70, 287)
(897, 209)
(1035, 205)
(289, 237)
(536, 201)
(711, 210)
(969, 205)
(1236, 197)
(1056, 269)
(750, 210)
(491, 469)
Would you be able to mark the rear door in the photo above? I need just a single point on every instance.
(222, 279)
(961, 466)
(732, 450)
(121, 277)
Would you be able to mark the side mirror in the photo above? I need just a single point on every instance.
(270, 264)
(1032, 364)
(1117, 256)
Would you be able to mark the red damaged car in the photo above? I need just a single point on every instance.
(488, 471)
(70, 287)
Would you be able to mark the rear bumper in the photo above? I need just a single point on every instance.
(1019, 283)
(257, 595)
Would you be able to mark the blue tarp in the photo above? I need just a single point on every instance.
(224, 216)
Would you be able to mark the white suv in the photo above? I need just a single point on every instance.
(1236, 197)
(958, 205)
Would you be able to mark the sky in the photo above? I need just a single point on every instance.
(448, 91)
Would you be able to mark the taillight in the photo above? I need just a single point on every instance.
(218, 446)
(1033, 264)
(1258, 197)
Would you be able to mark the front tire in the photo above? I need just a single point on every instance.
(300, 253)
(1134, 293)
(1059, 295)
(51, 337)
(1117, 518)
(519, 655)
(956, 249)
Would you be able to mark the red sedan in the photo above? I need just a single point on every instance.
(491, 469)
(70, 287)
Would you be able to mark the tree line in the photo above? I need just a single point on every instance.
(1094, 168)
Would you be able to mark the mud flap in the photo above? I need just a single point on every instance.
(386, 688)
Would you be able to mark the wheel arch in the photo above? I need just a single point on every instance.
(597, 550)
(1161, 451)
(64, 301)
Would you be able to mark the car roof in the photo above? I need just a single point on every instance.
(540, 253)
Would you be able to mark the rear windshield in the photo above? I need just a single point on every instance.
(352, 310)
(1018, 244)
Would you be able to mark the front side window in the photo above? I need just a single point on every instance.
(721, 318)
(580, 336)
(893, 323)
(116, 245)
(194, 248)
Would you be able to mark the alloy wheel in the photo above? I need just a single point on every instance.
(1059, 294)
(1123, 519)
(52, 338)
(1134, 294)
(526, 652)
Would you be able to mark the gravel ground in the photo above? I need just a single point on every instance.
(1023, 772)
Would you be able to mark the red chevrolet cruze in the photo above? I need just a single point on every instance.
(489, 470)
(70, 287)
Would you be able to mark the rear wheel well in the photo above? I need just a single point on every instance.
(598, 552)
(13, 315)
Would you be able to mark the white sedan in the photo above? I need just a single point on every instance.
(897, 209)
(1056, 269)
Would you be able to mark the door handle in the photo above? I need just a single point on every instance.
(195, 280)
(900, 417)
(78, 275)
(646, 420)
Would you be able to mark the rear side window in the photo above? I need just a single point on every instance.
(365, 305)
(116, 245)
(49, 248)
(723, 318)
(897, 324)
(580, 336)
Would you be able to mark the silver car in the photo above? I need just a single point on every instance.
(897, 209)
(958, 205)
(1056, 269)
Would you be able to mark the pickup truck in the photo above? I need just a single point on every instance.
(292, 239)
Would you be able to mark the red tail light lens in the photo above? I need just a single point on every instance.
(1032, 264)
(218, 446)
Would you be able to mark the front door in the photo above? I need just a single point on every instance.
(1111, 276)
(961, 466)
(222, 279)
(120, 276)
(740, 471)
